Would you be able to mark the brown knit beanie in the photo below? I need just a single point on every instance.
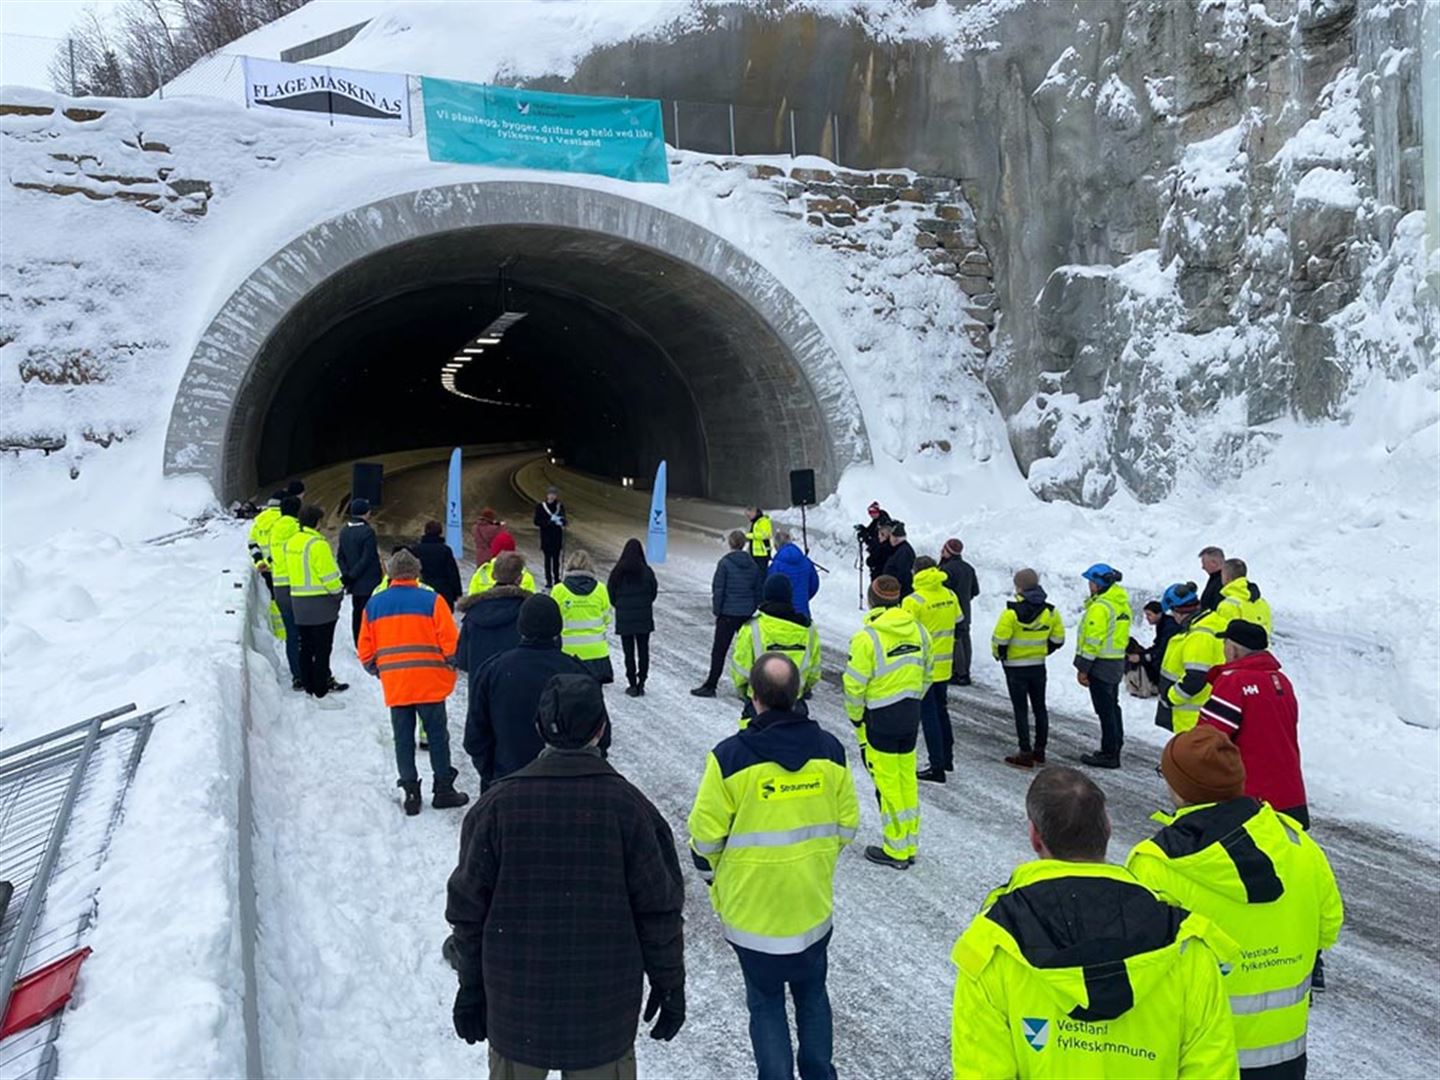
(884, 591)
(952, 548)
(1202, 765)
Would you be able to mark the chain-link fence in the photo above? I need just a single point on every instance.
(704, 127)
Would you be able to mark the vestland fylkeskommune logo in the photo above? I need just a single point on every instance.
(1036, 1032)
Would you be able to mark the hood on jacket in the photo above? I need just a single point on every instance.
(581, 583)
(784, 611)
(741, 556)
(930, 579)
(491, 612)
(786, 739)
(1080, 927)
(1210, 845)
(1029, 604)
(789, 555)
(432, 539)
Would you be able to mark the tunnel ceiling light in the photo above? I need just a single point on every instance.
(487, 341)
(475, 352)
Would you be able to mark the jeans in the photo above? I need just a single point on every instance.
(552, 566)
(766, 977)
(935, 722)
(963, 653)
(315, 645)
(357, 613)
(502, 1068)
(1029, 683)
(726, 627)
(633, 644)
(1105, 696)
(402, 721)
(292, 639)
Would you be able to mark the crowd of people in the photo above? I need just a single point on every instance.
(1197, 957)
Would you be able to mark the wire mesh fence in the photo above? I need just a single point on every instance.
(720, 129)
(60, 799)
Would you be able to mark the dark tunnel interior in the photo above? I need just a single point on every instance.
(625, 356)
(572, 374)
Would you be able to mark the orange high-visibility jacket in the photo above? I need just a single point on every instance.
(408, 638)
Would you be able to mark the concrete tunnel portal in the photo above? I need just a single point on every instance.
(644, 336)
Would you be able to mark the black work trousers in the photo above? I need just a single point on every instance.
(960, 674)
(315, 645)
(1027, 687)
(1105, 696)
(552, 566)
(726, 627)
(357, 613)
(637, 657)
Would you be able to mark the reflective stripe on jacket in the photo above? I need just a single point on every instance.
(1104, 634)
(281, 531)
(771, 633)
(408, 638)
(1026, 644)
(484, 579)
(775, 806)
(1077, 969)
(890, 666)
(938, 611)
(587, 620)
(1259, 877)
(311, 566)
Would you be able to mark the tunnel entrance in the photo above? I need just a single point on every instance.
(643, 337)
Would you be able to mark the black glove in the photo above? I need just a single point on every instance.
(470, 1014)
(670, 1004)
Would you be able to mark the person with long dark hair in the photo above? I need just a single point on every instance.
(633, 589)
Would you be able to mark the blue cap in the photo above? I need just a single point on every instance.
(1179, 595)
(1102, 574)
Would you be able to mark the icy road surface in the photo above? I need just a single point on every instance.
(351, 893)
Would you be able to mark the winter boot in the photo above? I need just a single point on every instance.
(703, 690)
(1098, 760)
(633, 690)
(412, 796)
(445, 796)
(296, 683)
(932, 774)
(337, 687)
(878, 856)
(1023, 760)
(640, 688)
(1039, 755)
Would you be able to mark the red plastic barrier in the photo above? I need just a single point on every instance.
(42, 993)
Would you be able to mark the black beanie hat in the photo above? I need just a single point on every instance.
(571, 711)
(779, 590)
(540, 619)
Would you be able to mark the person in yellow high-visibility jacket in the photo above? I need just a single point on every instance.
(258, 540)
(281, 530)
(938, 609)
(1240, 597)
(889, 670)
(483, 580)
(1257, 875)
(1189, 656)
(762, 539)
(315, 596)
(1100, 659)
(1028, 631)
(585, 607)
(776, 628)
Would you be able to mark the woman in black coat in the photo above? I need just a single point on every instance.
(633, 589)
(437, 563)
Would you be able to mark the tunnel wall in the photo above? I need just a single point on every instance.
(800, 412)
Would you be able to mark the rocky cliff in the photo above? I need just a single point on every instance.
(1203, 216)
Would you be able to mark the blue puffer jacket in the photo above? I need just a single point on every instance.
(735, 589)
(804, 581)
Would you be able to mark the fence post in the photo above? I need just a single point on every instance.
(732, 129)
(792, 133)
(74, 90)
(835, 131)
(675, 113)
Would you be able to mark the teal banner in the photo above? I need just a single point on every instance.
(494, 125)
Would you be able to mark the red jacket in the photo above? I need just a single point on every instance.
(1253, 702)
(408, 638)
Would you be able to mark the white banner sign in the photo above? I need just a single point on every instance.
(380, 99)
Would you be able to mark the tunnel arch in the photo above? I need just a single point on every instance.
(768, 392)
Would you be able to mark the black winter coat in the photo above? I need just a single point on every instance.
(489, 627)
(960, 579)
(358, 559)
(567, 895)
(901, 566)
(735, 588)
(500, 732)
(1210, 597)
(634, 602)
(552, 536)
(437, 567)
